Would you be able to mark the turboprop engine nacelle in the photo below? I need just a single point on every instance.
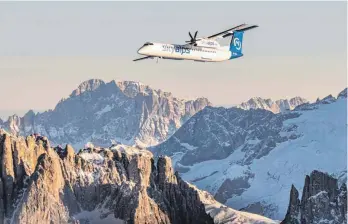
(207, 43)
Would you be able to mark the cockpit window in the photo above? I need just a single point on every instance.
(148, 43)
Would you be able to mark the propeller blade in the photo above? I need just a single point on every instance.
(196, 35)
(191, 36)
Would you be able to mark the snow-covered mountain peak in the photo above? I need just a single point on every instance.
(343, 94)
(328, 99)
(277, 106)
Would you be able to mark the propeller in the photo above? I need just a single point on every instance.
(193, 39)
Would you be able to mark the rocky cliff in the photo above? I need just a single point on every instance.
(119, 184)
(98, 112)
(323, 201)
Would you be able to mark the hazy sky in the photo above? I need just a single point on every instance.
(48, 48)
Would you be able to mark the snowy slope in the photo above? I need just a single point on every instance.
(93, 217)
(313, 139)
(226, 215)
(322, 146)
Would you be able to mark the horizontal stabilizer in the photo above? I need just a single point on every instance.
(226, 31)
(239, 30)
(247, 28)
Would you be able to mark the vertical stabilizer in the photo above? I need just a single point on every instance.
(236, 44)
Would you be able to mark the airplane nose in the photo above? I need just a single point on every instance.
(141, 51)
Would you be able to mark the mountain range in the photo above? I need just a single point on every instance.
(123, 184)
(98, 112)
(248, 159)
(124, 111)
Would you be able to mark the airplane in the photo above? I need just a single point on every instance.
(204, 49)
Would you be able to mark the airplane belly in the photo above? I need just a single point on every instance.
(203, 56)
(222, 55)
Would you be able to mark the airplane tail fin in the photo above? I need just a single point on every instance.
(236, 44)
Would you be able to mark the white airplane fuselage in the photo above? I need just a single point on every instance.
(181, 52)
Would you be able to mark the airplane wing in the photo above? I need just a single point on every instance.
(226, 33)
(138, 59)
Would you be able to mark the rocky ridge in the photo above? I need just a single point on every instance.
(119, 184)
(323, 201)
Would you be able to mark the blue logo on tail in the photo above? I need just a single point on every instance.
(236, 44)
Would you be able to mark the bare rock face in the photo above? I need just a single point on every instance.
(293, 212)
(18, 161)
(322, 201)
(121, 184)
(41, 202)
